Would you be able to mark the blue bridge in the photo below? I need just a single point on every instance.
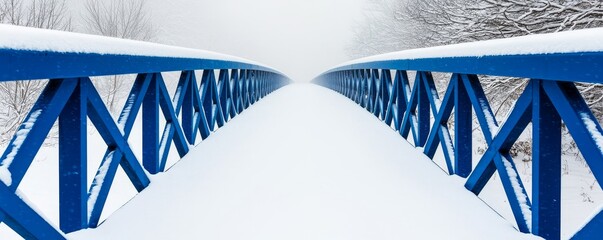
(337, 177)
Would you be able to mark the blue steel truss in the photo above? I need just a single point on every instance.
(549, 99)
(69, 97)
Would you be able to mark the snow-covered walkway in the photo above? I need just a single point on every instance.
(304, 163)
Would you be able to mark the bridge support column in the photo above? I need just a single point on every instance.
(73, 191)
(188, 108)
(546, 165)
(423, 108)
(150, 128)
(463, 129)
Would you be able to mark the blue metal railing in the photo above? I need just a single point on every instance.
(71, 98)
(549, 99)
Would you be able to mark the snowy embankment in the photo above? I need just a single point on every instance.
(305, 163)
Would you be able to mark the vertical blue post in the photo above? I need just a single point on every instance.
(423, 115)
(231, 99)
(236, 91)
(73, 188)
(356, 86)
(150, 128)
(348, 84)
(463, 129)
(252, 87)
(378, 97)
(385, 87)
(245, 88)
(223, 96)
(546, 165)
(207, 95)
(401, 98)
(366, 95)
(371, 90)
(188, 110)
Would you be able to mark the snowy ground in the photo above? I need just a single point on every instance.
(305, 163)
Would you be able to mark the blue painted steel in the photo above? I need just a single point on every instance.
(549, 98)
(24, 64)
(572, 67)
(463, 124)
(112, 158)
(188, 108)
(150, 127)
(592, 230)
(423, 108)
(546, 165)
(25, 221)
(71, 98)
(73, 192)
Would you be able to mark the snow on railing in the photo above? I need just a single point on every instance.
(68, 60)
(553, 63)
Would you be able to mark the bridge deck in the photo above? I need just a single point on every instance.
(304, 163)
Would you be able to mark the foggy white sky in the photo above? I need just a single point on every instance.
(298, 37)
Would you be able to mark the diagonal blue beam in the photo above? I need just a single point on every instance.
(409, 119)
(102, 120)
(172, 131)
(592, 229)
(497, 157)
(20, 217)
(439, 132)
(201, 120)
(103, 180)
(33, 131)
(512, 128)
(582, 124)
(392, 109)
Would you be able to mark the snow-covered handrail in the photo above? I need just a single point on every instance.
(27, 53)
(553, 63)
(69, 60)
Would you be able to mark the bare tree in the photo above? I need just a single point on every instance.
(48, 14)
(19, 96)
(380, 32)
(473, 20)
(424, 23)
(121, 19)
(11, 12)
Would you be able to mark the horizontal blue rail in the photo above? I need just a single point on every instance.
(381, 85)
(226, 88)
